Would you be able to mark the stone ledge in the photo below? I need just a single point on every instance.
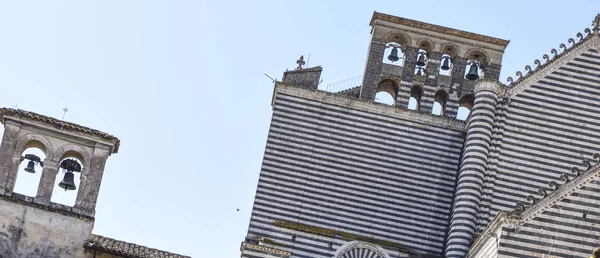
(367, 106)
(58, 208)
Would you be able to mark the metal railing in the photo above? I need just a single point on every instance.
(344, 84)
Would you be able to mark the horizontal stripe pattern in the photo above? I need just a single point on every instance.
(568, 229)
(357, 172)
(550, 127)
(471, 175)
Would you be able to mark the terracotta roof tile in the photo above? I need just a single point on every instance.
(117, 247)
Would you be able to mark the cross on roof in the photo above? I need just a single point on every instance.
(596, 23)
(300, 62)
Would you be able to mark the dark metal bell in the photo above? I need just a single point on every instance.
(30, 167)
(473, 73)
(420, 71)
(421, 60)
(68, 182)
(446, 64)
(394, 55)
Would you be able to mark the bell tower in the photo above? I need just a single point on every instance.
(430, 64)
(36, 226)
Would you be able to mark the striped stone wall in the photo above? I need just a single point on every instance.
(567, 229)
(472, 171)
(340, 169)
(550, 126)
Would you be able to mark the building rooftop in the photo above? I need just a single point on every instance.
(59, 124)
(437, 28)
(129, 250)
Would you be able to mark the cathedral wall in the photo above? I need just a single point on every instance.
(550, 127)
(568, 229)
(26, 232)
(338, 169)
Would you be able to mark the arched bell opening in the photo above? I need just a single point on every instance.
(30, 169)
(475, 68)
(386, 92)
(439, 103)
(446, 65)
(421, 62)
(68, 179)
(465, 107)
(393, 54)
(416, 92)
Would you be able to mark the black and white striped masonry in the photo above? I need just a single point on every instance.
(361, 169)
(472, 169)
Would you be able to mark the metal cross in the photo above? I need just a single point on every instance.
(596, 23)
(300, 62)
(64, 112)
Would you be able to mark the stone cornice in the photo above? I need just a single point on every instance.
(53, 124)
(51, 207)
(543, 70)
(490, 85)
(265, 249)
(437, 28)
(382, 109)
(580, 179)
(501, 219)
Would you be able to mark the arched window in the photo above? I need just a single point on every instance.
(67, 180)
(465, 106)
(446, 65)
(393, 54)
(30, 169)
(415, 97)
(439, 102)
(421, 62)
(475, 68)
(386, 92)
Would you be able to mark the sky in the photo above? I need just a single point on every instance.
(182, 84)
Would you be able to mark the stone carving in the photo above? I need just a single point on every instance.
(520, 207)
(547, 59)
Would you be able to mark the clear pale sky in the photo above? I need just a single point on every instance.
(182, 84)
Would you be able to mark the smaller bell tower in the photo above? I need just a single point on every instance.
(36, 226)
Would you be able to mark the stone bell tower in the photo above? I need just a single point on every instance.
(423, 50)
(35, 226)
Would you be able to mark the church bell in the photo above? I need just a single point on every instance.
(420, 71)
(473, 73)
(30, 167)
(421, 60)
(394, 55)
(446, 64)
(68, 182)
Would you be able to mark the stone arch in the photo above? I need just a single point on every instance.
(389, 86)
(416, 92)
(399, 37)
(467, 101)
(31, 140)
(450, 49)
(357, 249)
(441, 97)
(425, 44)
(477, 54)
(75, 151)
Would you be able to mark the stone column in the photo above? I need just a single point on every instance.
(472, 169)
(91, 178)
(459, 66)
(46, 186)
(372, 70)
(12, 174)
(7, 150)
(430, 85)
